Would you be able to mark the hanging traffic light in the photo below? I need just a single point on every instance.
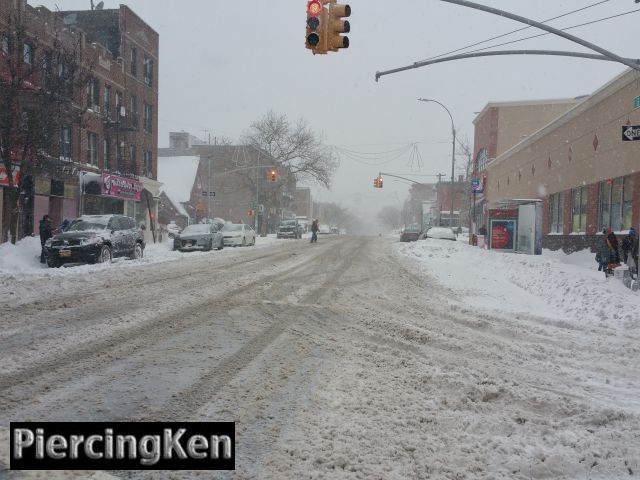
(376, 183)
(316, 25)
(380, 181)
(272, 176)
(337, 25)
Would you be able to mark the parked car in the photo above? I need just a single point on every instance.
(238, 234)
(410, 233)
(289, 229)
(199, 236)
(173, 229)
(324, 229)
(444, 233)
(96, 239)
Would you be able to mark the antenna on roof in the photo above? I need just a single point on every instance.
(100, 6)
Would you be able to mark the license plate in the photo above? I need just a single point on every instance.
(65, 253)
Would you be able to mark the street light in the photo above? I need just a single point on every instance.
(453, 154)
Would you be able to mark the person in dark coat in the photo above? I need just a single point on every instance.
(46, 232)
(482, 230)
(603, 254)
(314, 231)
(614, 247)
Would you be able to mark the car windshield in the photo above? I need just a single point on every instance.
(230, 227)
(288, 223)
(87, 225)
(197, 229)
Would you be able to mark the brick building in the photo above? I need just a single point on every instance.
(114, 142)
(423, 203)
(581, 166)
(500, 126)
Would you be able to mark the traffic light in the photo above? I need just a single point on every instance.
(380, 181)
(272, 176)
(316, 25)
(337, 25)
(250, 213)
(376, 183)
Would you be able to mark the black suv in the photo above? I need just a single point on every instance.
(96, 239)
(289, 229)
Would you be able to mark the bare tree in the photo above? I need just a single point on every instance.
(298, 153)
(390, 217)
(465, 150)
(43, 72)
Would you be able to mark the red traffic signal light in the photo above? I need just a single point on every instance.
(273, 176)
(316, 21)
(314, 8)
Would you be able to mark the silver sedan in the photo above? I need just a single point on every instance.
(201, 236)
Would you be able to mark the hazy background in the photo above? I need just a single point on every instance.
(223, 64)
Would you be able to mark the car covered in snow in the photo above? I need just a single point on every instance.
(200, 236)
(238, 235)
(96, 239)
(173, 229)
(443, 233)
(290, 229)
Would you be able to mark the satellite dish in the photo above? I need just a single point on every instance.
(100, 6)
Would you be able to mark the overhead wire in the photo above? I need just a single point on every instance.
(514, 31)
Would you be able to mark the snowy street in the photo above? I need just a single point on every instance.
(354, 358)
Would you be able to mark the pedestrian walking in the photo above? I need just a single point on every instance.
(46, 232)
(603, 254)
(630, 249)
(314, 231)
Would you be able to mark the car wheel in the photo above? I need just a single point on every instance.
(209, 246)
(221, 246)
(137, 252)
(105, 255)
(53, 264)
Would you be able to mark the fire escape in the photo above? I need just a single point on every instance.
(122, 126)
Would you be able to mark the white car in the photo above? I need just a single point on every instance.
(444, 233)
(238, 234)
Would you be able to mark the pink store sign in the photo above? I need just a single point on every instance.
(120, 187)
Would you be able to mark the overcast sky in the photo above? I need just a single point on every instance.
(223, 64)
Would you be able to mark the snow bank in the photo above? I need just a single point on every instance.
(554, 285)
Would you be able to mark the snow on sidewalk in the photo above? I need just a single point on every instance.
(566, 288)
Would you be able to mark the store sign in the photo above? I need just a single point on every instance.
(120, 187)
(630, 133)
(4, 177)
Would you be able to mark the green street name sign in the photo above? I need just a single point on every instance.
(636, 102)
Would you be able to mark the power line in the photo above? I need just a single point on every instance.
(547, 33)
(514, 31)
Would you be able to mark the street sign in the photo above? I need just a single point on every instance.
(476, 187)
(630, 133)
(208, 194)
(636, 102)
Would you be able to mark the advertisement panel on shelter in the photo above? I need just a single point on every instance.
(120, 187)
(4, 177)
(503, 234)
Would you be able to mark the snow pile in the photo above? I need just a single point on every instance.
(23, 257)
(554, 285)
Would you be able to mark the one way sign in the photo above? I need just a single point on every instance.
(630, 133)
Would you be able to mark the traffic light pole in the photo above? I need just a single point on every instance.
(408, 179)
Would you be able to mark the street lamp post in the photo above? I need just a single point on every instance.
(453, 155)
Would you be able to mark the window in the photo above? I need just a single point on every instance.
(148, 71)
(119, 102)
(5, 45)
(556, 213)
(133, 159)
(148, 118)
(615, 201)
(27, 53)
(481, 160)
(65, 142)
(107, 153)
(134, 104)
(134, 62)
(93, 94)
(107, 100)
(92, 148)
(579, 209)
(119, 156)
(146, 157)
(57, 188)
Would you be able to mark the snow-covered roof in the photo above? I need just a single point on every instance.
(177, 174)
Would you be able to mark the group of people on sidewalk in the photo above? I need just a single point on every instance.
(611, 252)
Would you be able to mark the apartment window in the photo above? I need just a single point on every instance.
(133, 159)
(107, 100)
(615, 201)
(148, 71)
(92, 148)
(5, 45)
(481, 160)
(106, 152)
(148, 118)
(556, 213)
(579, 209)
(65, 142)
(134, 104)
(27, 55)
(119, 156)
(146, 157)
(93, 94)
(134, 62)
(119, 103)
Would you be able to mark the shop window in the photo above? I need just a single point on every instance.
(579, 209)
(57, 188)
(615, 202)
(556, 213)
